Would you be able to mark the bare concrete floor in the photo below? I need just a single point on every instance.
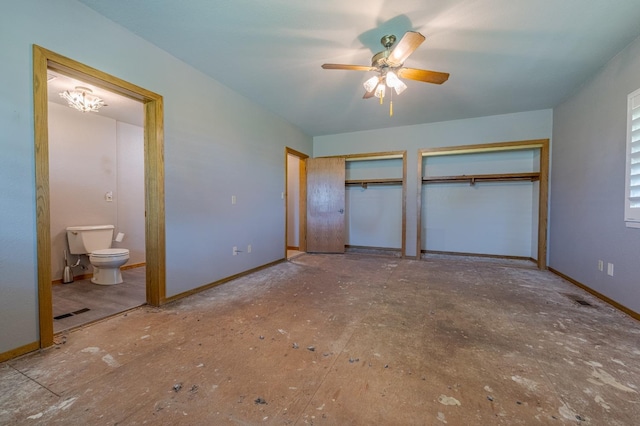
(346, 339)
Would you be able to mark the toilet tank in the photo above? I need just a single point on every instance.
(87, 239)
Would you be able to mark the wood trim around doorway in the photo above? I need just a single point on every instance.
(44, 59)
(543, 193)
(302, 208)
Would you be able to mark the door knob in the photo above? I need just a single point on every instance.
(341, 210)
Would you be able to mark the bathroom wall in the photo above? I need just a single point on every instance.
(89, 156)
(129, 193)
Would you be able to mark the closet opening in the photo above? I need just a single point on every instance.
(484, 200)
(372, 207)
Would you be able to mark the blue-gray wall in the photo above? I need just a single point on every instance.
(497, 128)
(217, 144)
(588, 183)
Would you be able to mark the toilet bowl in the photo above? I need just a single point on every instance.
(106, 265)
(95, 241)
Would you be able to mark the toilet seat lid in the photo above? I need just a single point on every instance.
(110, 252)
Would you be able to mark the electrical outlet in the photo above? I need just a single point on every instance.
(235, 250)
(610, 269)
(600, 265)
(249, 248)
(233, 199)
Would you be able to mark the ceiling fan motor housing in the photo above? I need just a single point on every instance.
(379, 60)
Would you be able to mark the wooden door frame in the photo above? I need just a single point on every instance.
(302, 206)
(44, 59)
(543, 193)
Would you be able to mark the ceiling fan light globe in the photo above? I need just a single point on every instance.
(394, 82)
(371, 83)
(392, 79)
(380, 90)
(400, 87)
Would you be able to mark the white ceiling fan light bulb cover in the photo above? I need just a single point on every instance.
(394, 82)
(371, 83)
(399, 88)
(380, 91)
(392, 79)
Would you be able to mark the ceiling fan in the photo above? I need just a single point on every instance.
(389, 66)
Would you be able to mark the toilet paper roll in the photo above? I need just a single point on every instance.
(119, 237)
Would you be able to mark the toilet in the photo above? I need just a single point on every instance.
(95, 241)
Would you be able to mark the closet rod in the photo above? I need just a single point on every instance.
(365, 182)
(472, 179)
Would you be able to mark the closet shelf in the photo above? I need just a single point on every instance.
(472, 179)
(365, 182)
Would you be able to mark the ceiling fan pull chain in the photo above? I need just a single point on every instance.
(391, 104)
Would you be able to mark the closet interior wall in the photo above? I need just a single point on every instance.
(484, 200)
(375, 201)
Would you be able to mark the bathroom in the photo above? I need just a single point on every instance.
(96, 177)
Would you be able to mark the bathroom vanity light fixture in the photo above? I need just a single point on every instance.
(82, 99)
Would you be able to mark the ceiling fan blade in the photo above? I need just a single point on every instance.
(405, 47)
(426, 76)
(368, 95)
(347, 67)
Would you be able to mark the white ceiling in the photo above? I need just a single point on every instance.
(503, 55)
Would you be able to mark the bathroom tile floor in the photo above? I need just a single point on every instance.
(346, 340)
(82, 302)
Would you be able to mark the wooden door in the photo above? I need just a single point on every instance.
(325, 205)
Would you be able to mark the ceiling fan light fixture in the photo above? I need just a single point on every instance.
(82, 99)
(394, 82)
(371, 83)
(389, 64)
(400, 88)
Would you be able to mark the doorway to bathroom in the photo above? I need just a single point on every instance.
(96, 177)
(78, 195)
